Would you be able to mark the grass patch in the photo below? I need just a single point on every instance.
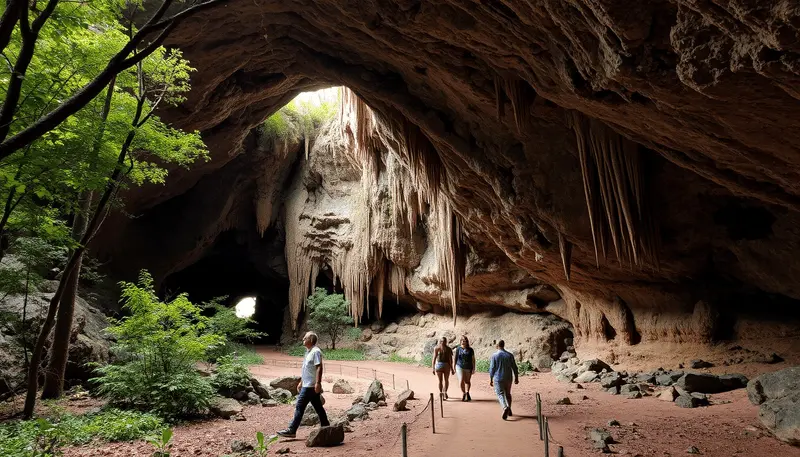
(394, 357)
(246, 354)
(329, 354)
(427, 361)
(482, 366)
(25, 438)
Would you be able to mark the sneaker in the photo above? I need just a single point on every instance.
(505, 414)
(469, 398)
(445, 395)
(510, 414)
(287, 433)
(464, 397)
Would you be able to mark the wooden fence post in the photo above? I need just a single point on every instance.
(433, 414)
(403, 432)
(546, 438)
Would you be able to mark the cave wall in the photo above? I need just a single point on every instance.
(706, 89)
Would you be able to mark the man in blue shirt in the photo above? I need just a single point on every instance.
(309, 388)
(501, 368)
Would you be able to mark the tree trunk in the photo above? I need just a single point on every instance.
(59, 353)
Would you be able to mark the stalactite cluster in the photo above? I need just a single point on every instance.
(411, 173)
(614, 187)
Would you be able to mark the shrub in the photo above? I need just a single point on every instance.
(525, 368)
(394, 357)
(232, 374)
(158, 347)
(329, 314)
(354, 333)
(427, 360)
(482, 366)
(331, 354)
(26, 438)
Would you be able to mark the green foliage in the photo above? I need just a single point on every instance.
(162, 444)
(354, 333)
(225, 323)
(427, 360)
(26, 438)
(262, 446)
(394, 357)
(246, 354)
(301, 117)
(482, 366)
(329, 314)
(525, 368)
(329, 354)
(158, 347)
(232, 374)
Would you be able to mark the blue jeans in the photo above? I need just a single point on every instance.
(503, 391)
(306, 396)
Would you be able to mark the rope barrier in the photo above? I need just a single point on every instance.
(347, 370)
(407, 425)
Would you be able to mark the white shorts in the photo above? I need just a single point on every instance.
(463, 375)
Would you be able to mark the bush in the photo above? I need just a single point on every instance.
(24, 438)
(246, 354)
(225, 323)
(232, 374)
(329, 314)
(427, 360)
(354, 333)
(525, 368)
(482, 366)
(157, 348)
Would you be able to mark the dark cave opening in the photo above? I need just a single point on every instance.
(228, 270)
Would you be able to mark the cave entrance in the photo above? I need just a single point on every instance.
(247, 282)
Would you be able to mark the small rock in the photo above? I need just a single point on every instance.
(382, 403)
(241, 447)
(283, 450)
(578, 386)
(391, 328)
(613, 423)
(239, 417)
(698, 363)
(564, 401)
(692, 450)
(585, 398)
(253, 399)
(375, 392)
(430, 334)
(601, 435)
(357, 412)
(668, 395)
(399, 405)
(406, 395)
(632, 395)
(286, 382)
(225, 407)
(358, 400)
(628, 388)
(310, 416)
(342, 387)
(371, 406)
(280, 395)
(613, 390)
(261, 391)
(587, 376)
(268, 403)
(366, 335)
(613, 379)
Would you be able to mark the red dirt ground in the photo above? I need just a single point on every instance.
(649, 427)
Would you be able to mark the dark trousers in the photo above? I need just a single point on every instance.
(306, 396)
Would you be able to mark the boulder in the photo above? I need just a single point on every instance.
(310, 416)
(225, 407)
(601, 435)
(629, 388)
(357, 412)
(268, 403)
(707, 383)
(587, 376)
(668, 395)
(632, 395)
(325, 436)
(280, 395)
(690, 401)
(564, 401)
(342, 387)
(773, 385)
(595, 365)
(371, 406)
(253, 399)
(399, 405)
(391, 328)
(668, 378)
(376, 326)
(261, 391)
(612, 379)
(734, 381)
(366, 335)
(406, 395)
(643, 378)
(287, 382)
(375, 392)
(565, 378)
(782, 417)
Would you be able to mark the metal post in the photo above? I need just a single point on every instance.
(374, 374)
(560, 451)
(407, 385)
(539, 416)
(403, 431)
(433, 414)
(393, 387)
(441, 403)
(546, 438)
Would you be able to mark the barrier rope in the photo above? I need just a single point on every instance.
(428, 404)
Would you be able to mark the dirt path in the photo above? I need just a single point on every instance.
(649, 427)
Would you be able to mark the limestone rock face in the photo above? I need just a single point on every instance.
(702, 93)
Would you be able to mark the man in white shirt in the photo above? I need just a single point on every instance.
(310, 387)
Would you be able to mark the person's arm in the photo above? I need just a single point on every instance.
(433, 361)
(452, 363)
(473, 360)
(514, 367)
(318, 380)
(492, 369)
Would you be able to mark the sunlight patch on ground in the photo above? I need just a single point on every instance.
(246, 307)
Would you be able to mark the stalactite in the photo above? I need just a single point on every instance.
(522, 97)
(613, 181)
(397, 281)
(448, 244)
(380, 285)
(565, 247)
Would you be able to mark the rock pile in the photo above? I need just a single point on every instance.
(686, 389)
(778, 394)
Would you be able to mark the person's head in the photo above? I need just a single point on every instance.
(501, 344)
(443, 341)
(464, 341)
(310, 340)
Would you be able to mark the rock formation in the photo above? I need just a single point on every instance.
(638, 160)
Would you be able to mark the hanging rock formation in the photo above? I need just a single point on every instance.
(639, 157)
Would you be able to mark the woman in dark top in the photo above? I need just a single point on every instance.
(443, 365)
(465, 366)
